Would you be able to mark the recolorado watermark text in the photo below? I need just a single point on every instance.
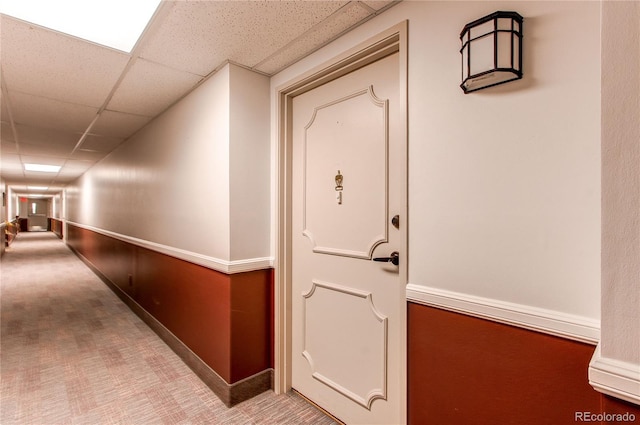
(604, 417)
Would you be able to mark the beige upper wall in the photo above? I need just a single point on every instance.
(249, 194)
(12, 204)
(170, 184)
(504, 184)
(56, 206)
(621, 182)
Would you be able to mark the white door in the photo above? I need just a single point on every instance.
(349, 181)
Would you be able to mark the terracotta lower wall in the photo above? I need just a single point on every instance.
(55, 226)
(226, 320)
(465, 370)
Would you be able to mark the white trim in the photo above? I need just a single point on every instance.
(552, 322)
(224, 266)
(614, 377)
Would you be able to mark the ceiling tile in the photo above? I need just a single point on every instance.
(197, 36)
(45, 150)
(38, 179)
(48, 113)
(101, 144)
(87, 155)
(12, 174)
(75, 166)
(8, 147)
(46, 137)
(6, 133)
(4, 110)
(348, 17)
(10, 162)
(50, 64)
(118, 124)
(149, 88)
(41, 159)
(64, 179)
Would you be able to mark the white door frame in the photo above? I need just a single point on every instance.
(390, 41)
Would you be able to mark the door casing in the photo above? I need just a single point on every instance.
(387, 42)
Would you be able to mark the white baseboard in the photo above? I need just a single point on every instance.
(542, 320)
(224, 266)
(614, 377)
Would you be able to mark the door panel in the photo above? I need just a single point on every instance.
(357, 327)
(347, 218)
(348, 311)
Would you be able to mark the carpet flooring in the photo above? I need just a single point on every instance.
(72, 353)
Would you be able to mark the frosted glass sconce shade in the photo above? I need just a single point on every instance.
(491, 51)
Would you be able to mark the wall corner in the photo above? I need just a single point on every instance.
(614, 377)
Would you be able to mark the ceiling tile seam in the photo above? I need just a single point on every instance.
(328, 19)
(52, 98)
(387, 7)
(204, 78)
(102, 108)
(5, 93)
(122, 112)
(154, 22)
(248, 68)
(85, 134)
(170, 67)
(13, 123)
(366, 6)
(161, 12)
(35, 127)
(153, 26)
(217, 69)
(169, 106)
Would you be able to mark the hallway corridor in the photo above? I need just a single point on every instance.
(72, 353)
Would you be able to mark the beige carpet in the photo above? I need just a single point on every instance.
(72, 353)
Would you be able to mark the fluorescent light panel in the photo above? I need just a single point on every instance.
(42, 167)
(113, 23)
(37, 187)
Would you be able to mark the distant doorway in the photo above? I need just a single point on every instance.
(38, 211)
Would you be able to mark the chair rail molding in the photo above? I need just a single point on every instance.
(224, 266)
(551, 322)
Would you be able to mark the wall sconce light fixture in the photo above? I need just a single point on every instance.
(491, 51)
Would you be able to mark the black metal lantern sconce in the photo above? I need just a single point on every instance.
(491, 51)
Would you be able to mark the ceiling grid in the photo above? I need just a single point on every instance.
(70, 102)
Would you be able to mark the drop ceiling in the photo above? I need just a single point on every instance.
(69, 102)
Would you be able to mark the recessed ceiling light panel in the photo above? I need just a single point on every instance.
(113, 23)
(42, 168)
